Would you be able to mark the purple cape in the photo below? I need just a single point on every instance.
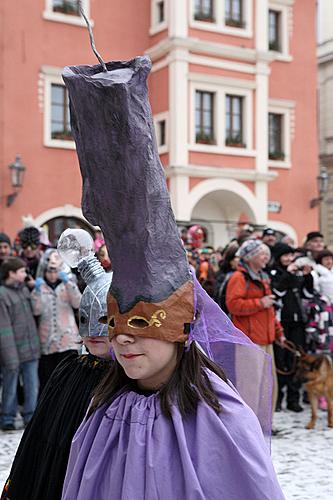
(129, 450)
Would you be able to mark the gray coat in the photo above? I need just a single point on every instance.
(19, 341)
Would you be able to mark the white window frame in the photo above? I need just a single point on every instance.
(59, 17)
(220, 91)
(285, 110)
(157, 119)
(219, 25)
(283, 9)
(51, 76)
(155, 25)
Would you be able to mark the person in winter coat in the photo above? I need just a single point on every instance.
(290, 285)
(53, 299)
(251, 303)
(323, 274)
(19, 343)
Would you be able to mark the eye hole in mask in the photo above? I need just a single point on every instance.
(103, 320)
(112, 322)
(83, 320)
(137, 322)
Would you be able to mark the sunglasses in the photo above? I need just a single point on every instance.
(33, 246)
(51, 270)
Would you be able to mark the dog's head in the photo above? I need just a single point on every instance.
(308, 366)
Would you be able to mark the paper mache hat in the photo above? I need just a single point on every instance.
(125, 194)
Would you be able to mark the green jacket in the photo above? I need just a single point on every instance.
(19, 341)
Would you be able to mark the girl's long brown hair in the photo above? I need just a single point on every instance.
(188, 384)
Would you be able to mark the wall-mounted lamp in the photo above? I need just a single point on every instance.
(17, 170)
(323, 181)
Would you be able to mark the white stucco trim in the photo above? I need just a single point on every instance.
(285, 111)
(52, 75)
(159, 117)
(177, 16)
(283, 8)
(50, 15)
(219, 26)
(211, 185)
(221, 89)
(155, 25)
(285, 228)
(64, 211)
(206, 171)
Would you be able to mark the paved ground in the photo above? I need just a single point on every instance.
(303, 459)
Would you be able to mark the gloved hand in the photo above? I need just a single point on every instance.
(64, 277)
(38, 284)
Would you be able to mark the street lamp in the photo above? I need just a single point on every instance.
(17, 170)
(323, 180)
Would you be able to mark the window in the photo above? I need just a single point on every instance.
(160, 12)
(60, 117)
(161, 133)
(275, 142)
(234, 121)
(204, 117)
(234, 13)
(204, 10)
(70, 7)
(274, 30)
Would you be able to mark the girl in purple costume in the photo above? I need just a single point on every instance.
(166, 424)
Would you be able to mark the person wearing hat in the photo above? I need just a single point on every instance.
(323, 274)
(165, 423)
(19, 343)
(290, 285)
(5, 247)
(29, 239)
(269, 237)
(250, 300)
(314, 243)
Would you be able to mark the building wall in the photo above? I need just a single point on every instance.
(210, 182)
(325, 84)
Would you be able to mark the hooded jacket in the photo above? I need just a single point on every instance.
(19, 340)
(244, 293)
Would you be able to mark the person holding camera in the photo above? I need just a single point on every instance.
(291, 281)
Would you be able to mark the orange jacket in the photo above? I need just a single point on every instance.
(243, 296)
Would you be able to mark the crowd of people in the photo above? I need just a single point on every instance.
(39, 301)
(278, 294)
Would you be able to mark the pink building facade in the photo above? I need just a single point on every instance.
(233, 94)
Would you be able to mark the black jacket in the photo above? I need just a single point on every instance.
(289, 290)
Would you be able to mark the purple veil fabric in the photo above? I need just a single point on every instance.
(245, 364)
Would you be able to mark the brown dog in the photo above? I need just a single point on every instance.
(316, 371)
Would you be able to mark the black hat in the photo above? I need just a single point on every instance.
(280, 249)
(4, 238)
(269, 232)
(312, 235)
(29, 235)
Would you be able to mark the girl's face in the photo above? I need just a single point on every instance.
(327, 262)
(98, 346)
(149, 361)
(286, 259)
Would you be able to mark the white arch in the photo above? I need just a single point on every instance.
(212, 185)
(64, 211)
(284, 228)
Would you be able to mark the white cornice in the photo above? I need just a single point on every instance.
(222, 80)
(287, 3)
(208, 48)
(242, 174)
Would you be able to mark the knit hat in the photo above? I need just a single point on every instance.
(4, 238)
(280, 249)
(249, 249)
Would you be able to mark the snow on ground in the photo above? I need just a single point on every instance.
(303, 459)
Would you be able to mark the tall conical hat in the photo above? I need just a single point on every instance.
(125, 194)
